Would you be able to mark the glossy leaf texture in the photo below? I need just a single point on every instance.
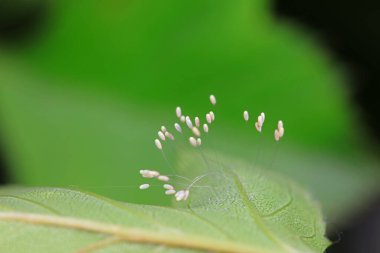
(234, 209)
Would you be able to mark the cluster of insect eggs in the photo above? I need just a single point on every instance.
(195, 141)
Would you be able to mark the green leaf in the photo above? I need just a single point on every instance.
(238, 210)
(103, 75)
(147, 51)
(98, 143)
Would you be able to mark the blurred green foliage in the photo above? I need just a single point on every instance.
(82, 104)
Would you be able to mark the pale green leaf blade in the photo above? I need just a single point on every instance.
(244, 211)
(281, 212)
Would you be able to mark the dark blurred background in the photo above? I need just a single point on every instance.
(3, 168)
(349, 30)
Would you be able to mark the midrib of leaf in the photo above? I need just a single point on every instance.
(254, 213)
(135, 235)
(117, 205)
(114, 204)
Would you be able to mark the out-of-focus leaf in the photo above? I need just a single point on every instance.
(60, 137)
(83, 108)
(172, 52)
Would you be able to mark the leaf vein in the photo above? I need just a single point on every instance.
(135, 235)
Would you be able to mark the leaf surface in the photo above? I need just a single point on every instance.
(95, 83)
(238, 210)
